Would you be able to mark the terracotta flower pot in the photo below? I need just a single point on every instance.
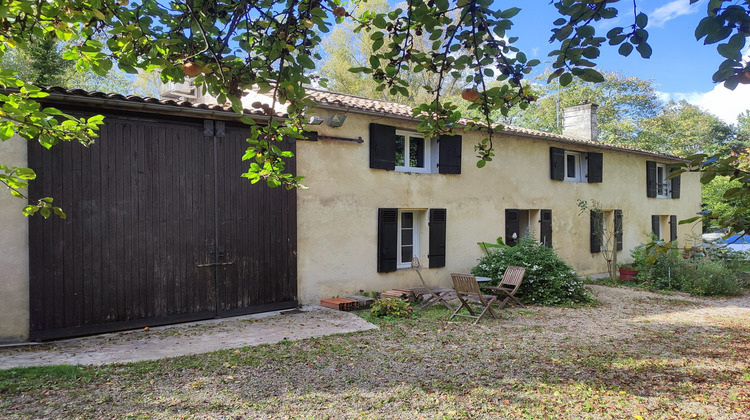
(627, 274)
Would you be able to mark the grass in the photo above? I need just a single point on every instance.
(588, 362)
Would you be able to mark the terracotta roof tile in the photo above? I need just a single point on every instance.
(351, 103)
(389, 108)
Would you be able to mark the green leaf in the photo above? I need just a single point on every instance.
(590, 75)
(644, 49)
(641, 20)
(565, 79)
(509, 13)
(625, 49)
(25, 173)
(690, 220)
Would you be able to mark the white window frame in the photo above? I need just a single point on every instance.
(416, 218)
(427, 158)
(578, 166)
(663, 185)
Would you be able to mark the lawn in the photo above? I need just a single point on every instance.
(634, 355)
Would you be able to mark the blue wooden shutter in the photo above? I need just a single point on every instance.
(672, 228)
(650, 179)
(387, 240)
(557, 163)
(449, 154)
(618, 229)
(382, 147)
(597, 219)
(545, 228)
(511, 227)
(437, 238)
(595, 167)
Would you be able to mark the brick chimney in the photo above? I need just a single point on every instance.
(579, 122)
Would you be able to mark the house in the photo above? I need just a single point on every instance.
(162, 229)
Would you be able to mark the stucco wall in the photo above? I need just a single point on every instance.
(337, 215)
(14, 255)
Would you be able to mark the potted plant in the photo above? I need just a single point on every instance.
(627, 272)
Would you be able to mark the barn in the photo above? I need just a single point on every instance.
(161, 228)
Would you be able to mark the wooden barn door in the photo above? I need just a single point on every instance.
(159, 230)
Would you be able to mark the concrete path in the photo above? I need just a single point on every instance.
(183, 339)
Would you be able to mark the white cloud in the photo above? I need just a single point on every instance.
(726, 104)
(722, 102)
(672, 10)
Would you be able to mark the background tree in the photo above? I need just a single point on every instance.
(41, 64)
(623, 102)
(683, 129)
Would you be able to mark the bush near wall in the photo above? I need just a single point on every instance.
(548, 279)
(720, 273)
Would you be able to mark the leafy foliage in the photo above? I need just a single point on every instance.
(391, 307)
(272, 46)
(623, 102)
(548, 279)
(719, 273)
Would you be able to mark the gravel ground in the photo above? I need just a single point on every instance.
(635, 355)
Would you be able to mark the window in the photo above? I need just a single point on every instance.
(518, 223)
(406, 151)
(658, 221)
(400, 232)
(606, 230)
(573, 166)
(408, 238)
(412, 153)
(573, 170)
(658, 184)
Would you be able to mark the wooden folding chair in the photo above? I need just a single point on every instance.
(467, 290)
(430, 295)
(509, 285)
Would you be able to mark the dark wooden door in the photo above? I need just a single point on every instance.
(257, 234)
(145, 232)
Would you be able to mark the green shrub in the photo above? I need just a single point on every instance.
(662, 267)
(548, 279)
(708, 278)
(661, 274)
(391, 307)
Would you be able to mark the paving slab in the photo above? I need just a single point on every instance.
(184, 339)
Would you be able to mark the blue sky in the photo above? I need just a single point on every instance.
(680, 67)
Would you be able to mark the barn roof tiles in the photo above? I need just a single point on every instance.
(345, 102)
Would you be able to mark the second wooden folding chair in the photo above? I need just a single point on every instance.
(467, 289)
(509, 285)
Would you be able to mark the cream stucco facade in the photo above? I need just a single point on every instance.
(337, 215)
(14, 258)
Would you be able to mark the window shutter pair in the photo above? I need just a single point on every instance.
(383, 150)
(388, 239)
(545, 228)
(651, 181)
(597, 221)
(557, 165)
